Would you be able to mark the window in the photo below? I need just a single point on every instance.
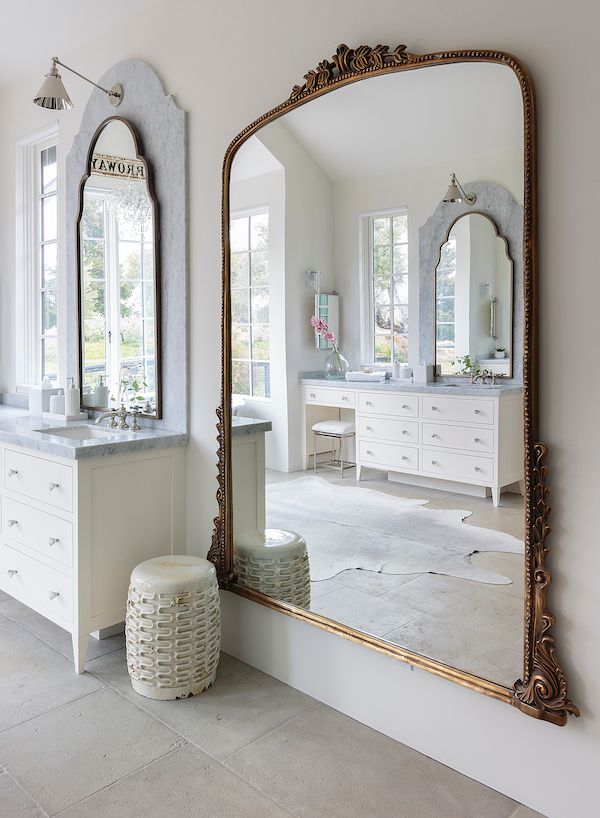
(249, 235)
(445, 294)
(37, 275)
(118, 292)
(387, 311)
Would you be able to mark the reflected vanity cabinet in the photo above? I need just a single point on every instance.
(72, 530)
(464, 439)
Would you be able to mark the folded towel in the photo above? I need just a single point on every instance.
(365, 376)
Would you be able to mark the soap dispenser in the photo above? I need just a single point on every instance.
(100, 399)
(72, 398)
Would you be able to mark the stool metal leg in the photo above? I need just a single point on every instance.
(314, 452)
(342, 457)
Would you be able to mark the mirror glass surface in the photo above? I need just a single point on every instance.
(415, 534)
(473, 295)
(118, 277)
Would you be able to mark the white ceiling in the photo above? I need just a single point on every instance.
(33, 31)
(412, 119)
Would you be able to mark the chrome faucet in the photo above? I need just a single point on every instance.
(121, 414)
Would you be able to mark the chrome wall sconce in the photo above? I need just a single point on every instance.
(53, 93)
(456, 192)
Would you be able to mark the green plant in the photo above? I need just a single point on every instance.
(468, 367)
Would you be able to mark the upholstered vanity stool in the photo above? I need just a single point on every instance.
(338, 430)
(275, 563)
(173, 627)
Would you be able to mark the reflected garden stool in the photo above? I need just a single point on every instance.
(338, 430)
(275, 563)
(173, 627)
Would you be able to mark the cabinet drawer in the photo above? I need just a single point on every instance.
(329, 397)
(388, 455)
(34, 583)
(40, 479)
(469, 410)
(394, 430)
(458, 466)
(458, 437)
(43, 532)
(376, 403)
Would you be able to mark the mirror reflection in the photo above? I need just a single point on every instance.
(118, 277)
(366, 487)
(473, 298)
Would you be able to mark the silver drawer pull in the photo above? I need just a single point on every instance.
(434, 435)
(312, 395)
(53, 540)
(12, 522)
(477, 411)
(53, 486)
(404, 457)
(405, 405)
(53, 594)
(368, 403)
(434, 463)
(477, 468)
(371, 453)
(404, 432)
(11, 572)
(477, 440)
(344, 397)
(13, 472)
(434, 408)
(369, 428)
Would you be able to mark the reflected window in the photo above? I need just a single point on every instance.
(118, 295)
(388, 279)
(445, 307)
(250, 307)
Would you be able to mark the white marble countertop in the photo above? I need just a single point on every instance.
(249, 426)
(18, 428)
(405, 386)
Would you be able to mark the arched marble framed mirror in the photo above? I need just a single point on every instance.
(119, 275)
(428, 539)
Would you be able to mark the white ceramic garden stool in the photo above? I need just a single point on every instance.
(275, 563)
(173, 627)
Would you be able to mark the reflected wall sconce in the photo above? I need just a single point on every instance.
(53, 93)
(456, 193)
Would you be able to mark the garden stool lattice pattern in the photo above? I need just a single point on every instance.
(275, 563)
(173, 627)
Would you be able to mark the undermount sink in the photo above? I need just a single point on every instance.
(80, 432)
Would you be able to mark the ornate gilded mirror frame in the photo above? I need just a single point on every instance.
(542, 690)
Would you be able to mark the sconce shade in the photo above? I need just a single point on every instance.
(53, 93)
(456, 193)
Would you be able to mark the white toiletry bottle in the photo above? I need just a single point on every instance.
(100, 398)
(72, 398)
(57, 403)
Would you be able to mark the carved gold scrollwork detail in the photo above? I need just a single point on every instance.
(543, 690)
(348, 60)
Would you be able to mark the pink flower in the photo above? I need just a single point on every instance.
(318, 325)
(329, 336)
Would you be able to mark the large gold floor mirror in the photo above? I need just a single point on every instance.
(380, 470)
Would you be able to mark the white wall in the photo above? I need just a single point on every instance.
(227, 64)
(420, 190)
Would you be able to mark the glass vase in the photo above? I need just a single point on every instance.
(336, 366)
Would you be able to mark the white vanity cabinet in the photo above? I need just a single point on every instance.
(72, 530)
(464, 439)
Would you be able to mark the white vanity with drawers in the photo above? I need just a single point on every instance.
(467, 436)
(77, 516)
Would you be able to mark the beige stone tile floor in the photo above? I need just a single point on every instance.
(469, 625)
(250, 747)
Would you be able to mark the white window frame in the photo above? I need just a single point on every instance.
(242, 213)
(28, 256)
(366, 280)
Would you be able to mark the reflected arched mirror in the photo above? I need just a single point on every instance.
(473, 299)
(119, 275)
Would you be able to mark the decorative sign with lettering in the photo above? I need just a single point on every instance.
(104, 165)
